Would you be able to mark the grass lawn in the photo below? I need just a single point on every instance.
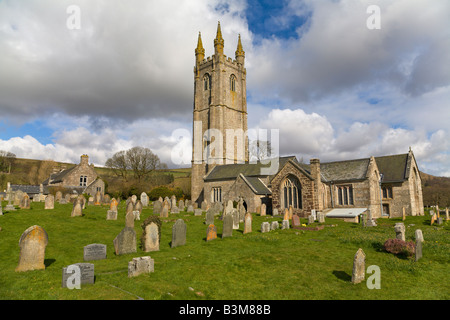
(279, 265)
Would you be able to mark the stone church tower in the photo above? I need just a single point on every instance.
(220, 112)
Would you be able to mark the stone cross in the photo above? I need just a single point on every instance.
(32, 244)
(359, 266)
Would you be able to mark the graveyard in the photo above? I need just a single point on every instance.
(208, 260)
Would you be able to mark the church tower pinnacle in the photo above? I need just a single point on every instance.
(240, 54)
(218, 42)
(199, 51)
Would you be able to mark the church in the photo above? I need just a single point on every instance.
(387, 186)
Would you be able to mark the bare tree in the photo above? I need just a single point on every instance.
(118, 163)
(259, 150)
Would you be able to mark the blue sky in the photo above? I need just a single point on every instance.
(334, 88)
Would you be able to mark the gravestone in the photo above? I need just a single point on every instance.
(91, 201)
(418, 235)
(77, 209)
(157, 207)
(235, 215)
(370, 222)
(138, 207)
(274, 225)
(204, 205)
(227, 230)
(25, 202)
(433, 218)
(263, 209)
(106, 199)
(190, 209)
(291, 212)
(86, 274)
(58, 196)
(137, 214)
(113, 204)
(363, 219)
(173, 201)
(32, 244)
(129, 219)
(151, 234)
(310, 219)
(164, 212)
(125, 242)
(174, 209)
(178, 234)
(265, 227)
(211, 232)
(286, 214)
(144, 199)
(133, 199)
(274, 212)
(111, 215)
(439, 221)
(359, 266)
(418, 250)
(285, 224)
(321, 217)
(181, 205)
(198, 212)
(140, 265)
(447, 217)
(130, 207)
(248, 223)
(49, 202)
(229, 207)
(295, 221)
(95, 251)
(209, 218)
(399, 231)
(1, 209)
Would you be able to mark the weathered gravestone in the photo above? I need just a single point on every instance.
(78, 274)
(157, 207)
(263, 209)
(151, 234)
(399, 231)
(274, 225)
(174, 209)
(248, 223)
(129, 219)
(190, 209)
(204, 205)
(25, 202)
(144, 199)
(227, 230)
(359, 266)
(140, 265)
(111, 215)
(58, 196)
(95, 251)
(285, 225)
(286, 214)
(295, 221)
(178, 234)
(211, 232)
(265, 227)
(32, 244)
(181, 205)
(274, 212)
(138, 206)
(77, 209)
(198, 212)
(418, 250)
(418, 235)
(125, 242)
(321, 217)
(49, 202)
(164, 212)
(311, 219)
(235, 215)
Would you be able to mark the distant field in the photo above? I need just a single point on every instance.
(279, 265)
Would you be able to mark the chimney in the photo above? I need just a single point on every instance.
(84, 160)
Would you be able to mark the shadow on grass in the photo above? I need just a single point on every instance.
(48, 262)
(342, 275)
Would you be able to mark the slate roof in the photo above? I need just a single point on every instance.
(394, 168)
(344, 170)
(232, 171)
(29, 189)
(256, 185)
(58, 177)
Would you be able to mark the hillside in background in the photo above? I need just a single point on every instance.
(436, 190)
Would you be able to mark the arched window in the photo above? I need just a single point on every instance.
(292, 193)
(206, 82)
(233, 82)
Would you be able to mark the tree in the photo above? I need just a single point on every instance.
(141, 161)
(260, 150)
(118, 163)
(6, 160)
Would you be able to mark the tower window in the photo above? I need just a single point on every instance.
(206, 82)
(233, 83)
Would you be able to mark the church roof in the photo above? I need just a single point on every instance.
(232, 171)
(394, 168)
(256, 185)
(344, 170)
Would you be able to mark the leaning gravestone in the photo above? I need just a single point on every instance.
(49, 202)
(77, 209)
(211, 232)
(227, 230)
(178, 234)
(95, 251)
(125, 242)
(359, 266)
(151, 234)
(140, 265)
(32, 244)
(85, 276)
